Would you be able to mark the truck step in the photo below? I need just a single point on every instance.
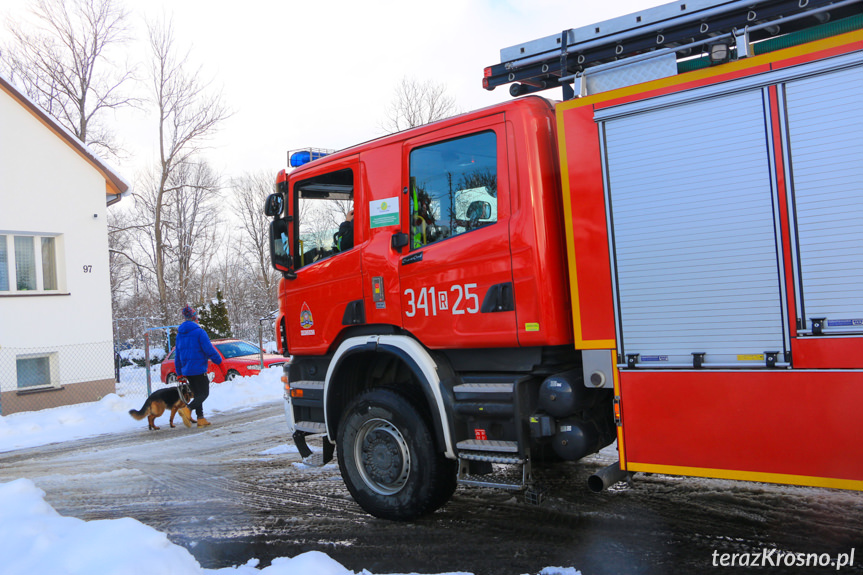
(495, 452)
(485, 399)
(307, 384)
(315, 460)
(496, 483)
(487, 445)
(310, 426)
(505, 452)
(491, 458)
(491, 391)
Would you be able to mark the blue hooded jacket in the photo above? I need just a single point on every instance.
(194, 349)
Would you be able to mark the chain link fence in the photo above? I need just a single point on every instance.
(36, 378)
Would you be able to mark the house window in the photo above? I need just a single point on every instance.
(29, 263)
(25, 263)
(34, 371)
(4, 265)
(49, 264)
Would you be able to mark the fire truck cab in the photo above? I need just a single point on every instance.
(669, 258)
(453, 297)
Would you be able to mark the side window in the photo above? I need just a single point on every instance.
(324, 209)
(453, 188)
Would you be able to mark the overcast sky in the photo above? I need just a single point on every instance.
(321, 73)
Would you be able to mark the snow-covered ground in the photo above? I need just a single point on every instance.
(34, 538)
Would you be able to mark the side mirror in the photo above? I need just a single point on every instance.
(280, 247)
(274, 205)
(479, 210)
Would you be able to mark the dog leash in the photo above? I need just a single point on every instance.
(183, 388)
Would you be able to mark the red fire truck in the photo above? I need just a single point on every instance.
(671, 257)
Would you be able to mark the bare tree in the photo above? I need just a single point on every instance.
(64, 63)
(188, 233)
(192, 228)
(416, 103)
(250, 191)
(123, 267)
(189, 112)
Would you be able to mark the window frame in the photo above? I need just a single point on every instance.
(52, 359)
(56, 283)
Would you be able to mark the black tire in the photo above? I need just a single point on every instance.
(388, 459)
(171, 379)
(232, 375)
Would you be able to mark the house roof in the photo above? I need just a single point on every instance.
(115, 185)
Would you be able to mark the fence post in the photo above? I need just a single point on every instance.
(261, 342)
(147, 359)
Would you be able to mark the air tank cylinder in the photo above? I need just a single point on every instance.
(575, 439)
(563, 394)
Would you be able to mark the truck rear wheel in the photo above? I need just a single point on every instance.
(388, 458)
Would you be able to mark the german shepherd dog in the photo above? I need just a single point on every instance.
(162, 399)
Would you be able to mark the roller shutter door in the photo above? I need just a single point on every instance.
(825, 132)
(693, 229)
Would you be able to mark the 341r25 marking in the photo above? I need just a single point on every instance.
(432, 300)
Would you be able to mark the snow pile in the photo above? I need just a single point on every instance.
(34, 538)
(246, 391)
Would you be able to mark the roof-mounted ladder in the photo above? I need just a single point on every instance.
(657, 43)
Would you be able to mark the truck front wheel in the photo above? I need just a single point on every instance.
(388, 458)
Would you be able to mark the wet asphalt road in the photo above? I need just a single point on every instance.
(233, 492)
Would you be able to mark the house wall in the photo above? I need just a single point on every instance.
(48, 188)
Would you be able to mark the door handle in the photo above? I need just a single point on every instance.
(399, 240)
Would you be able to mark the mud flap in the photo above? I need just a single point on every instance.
(310, 457)
(299, 438)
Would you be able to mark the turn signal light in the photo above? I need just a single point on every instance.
(296, 393)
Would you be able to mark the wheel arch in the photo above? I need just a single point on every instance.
(378, 355)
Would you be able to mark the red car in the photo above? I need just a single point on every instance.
(238, 358)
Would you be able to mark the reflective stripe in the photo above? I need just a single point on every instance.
(781, 478)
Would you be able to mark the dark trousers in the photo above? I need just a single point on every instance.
(200, 386)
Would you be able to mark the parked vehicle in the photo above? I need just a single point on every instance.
(671, 257)
(239, 358)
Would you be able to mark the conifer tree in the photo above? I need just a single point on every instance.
(214, 318)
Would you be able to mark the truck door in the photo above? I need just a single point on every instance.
(328, 283)
(456, 277)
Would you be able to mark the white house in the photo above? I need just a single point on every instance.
(56, 343)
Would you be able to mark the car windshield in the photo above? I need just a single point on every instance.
(237, 348)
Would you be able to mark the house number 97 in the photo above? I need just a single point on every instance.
(88, 269)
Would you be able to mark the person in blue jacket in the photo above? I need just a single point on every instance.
(193, 351)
